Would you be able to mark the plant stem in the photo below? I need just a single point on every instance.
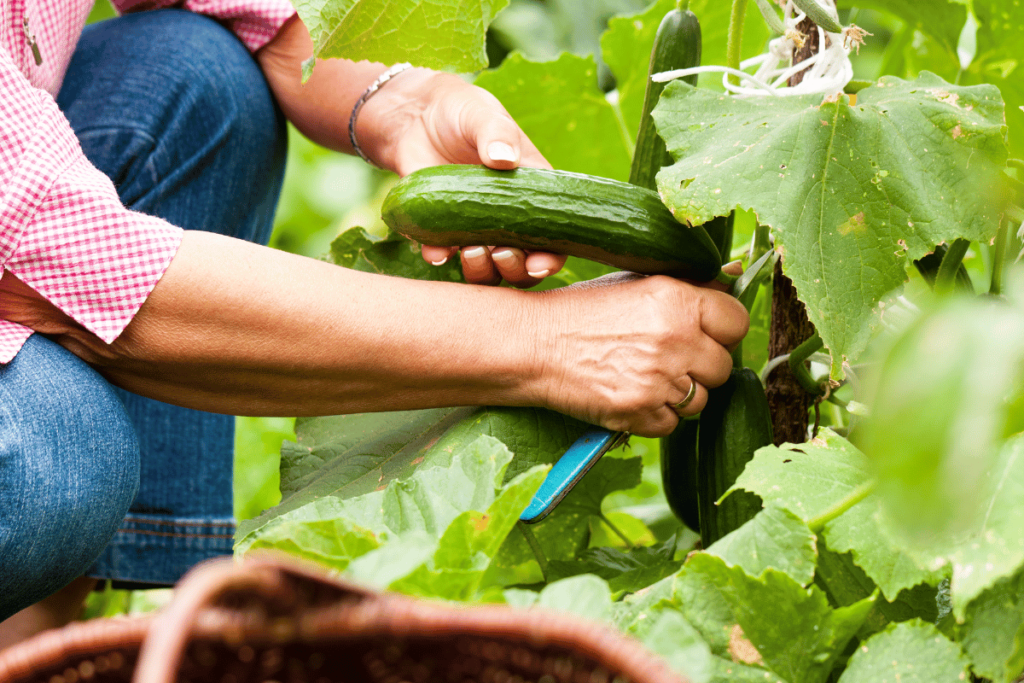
(946, 277)
(855, 496)
(798, 356)
(1015, 163)
(734, 47)
(737, 356)
(1015, 213)
(531, 541)
(617, 531)
(762, 242)
(999, 259)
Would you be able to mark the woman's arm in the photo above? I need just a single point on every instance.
(237, 328)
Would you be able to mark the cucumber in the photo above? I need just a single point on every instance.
(599, 219)
(677, 45)
(679, 472)
(734, 424)
(720, 231)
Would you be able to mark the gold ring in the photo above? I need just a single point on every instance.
(689, 397)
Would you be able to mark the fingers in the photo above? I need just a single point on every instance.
(540, 264)
(482, 266)
(437, 256)
(661, 422)
(478, 267)
(722, 317)
(712, 365)
(513, 266)
(694, 400)
(499, 141)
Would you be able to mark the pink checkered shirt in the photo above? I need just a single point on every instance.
(63, 230)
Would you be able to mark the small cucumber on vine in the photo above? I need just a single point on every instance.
(771, 17)
(734, 424)
(677, 45)
(602, 220)
(817, 13)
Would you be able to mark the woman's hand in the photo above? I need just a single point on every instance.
(420, 118)
(432, 118)
(626, 348)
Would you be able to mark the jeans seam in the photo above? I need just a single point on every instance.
(159, 522)
(173, 534)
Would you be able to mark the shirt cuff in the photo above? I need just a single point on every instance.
(255, 22)
(89, 256)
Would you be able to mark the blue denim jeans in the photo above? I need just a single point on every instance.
(95, 480)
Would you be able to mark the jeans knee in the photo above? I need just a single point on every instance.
(69, 470)
(176, 110)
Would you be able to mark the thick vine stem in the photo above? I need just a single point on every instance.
(1015, 163)
(999, 258)
(855, 496)
(798, 356)
(734, 47)
(1015, 213)
(946, 277)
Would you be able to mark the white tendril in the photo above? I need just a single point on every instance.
(827, 72)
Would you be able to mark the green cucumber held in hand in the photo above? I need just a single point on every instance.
(602, 220)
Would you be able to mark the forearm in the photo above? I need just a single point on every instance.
(321, 107)
(235, 328)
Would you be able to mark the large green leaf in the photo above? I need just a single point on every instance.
(586, 596)
(999, 61)
(625, 571)
(993, 631)
(846, 583)
(774, 538)
(939, 413)
(441, 34)
(350, 455)
(995, 547)
(793, 631)
(563, 534)
(949, 390)
(559, 106)
(669, 634)
(433, 533)
(912, 652)
(811, 478)
(853, 193)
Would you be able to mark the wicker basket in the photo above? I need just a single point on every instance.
(272, 619)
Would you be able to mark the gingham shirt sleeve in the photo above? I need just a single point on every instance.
(63, 230)
(255, 22)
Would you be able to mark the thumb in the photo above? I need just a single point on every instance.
(496, 136)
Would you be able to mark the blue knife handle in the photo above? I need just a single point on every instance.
(569, 469)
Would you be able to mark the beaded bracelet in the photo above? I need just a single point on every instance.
(367, 94)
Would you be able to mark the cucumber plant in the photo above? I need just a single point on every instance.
(889, 543)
